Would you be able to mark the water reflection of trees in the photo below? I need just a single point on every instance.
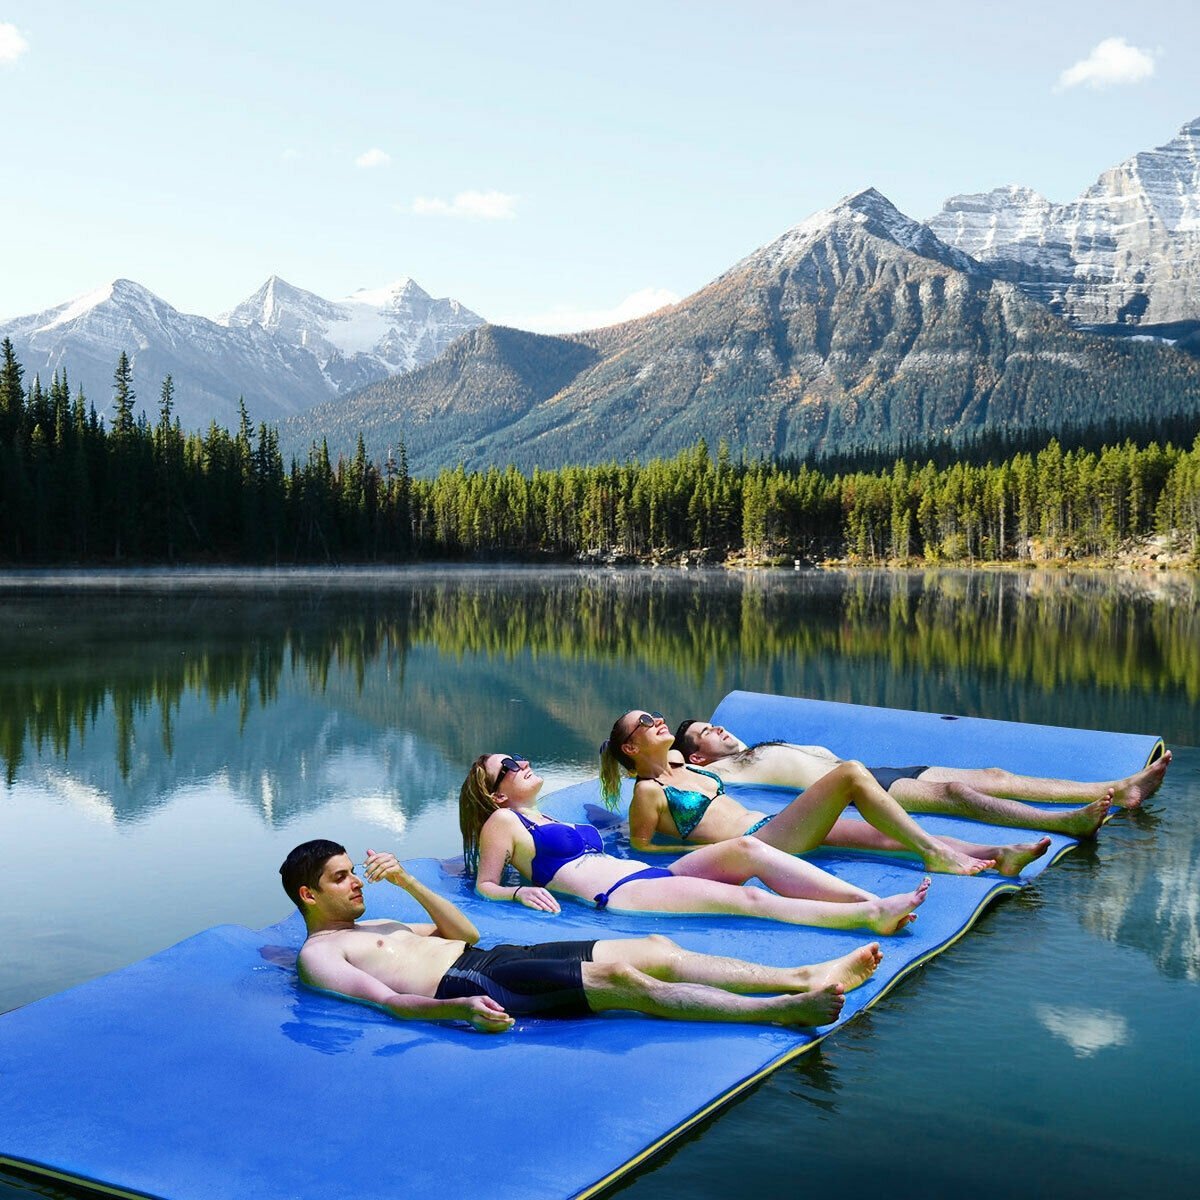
(860, 636)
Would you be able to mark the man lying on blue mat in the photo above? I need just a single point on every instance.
(988, 794)
(435, 972)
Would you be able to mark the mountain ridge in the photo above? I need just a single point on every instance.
(1121, 258)
(279, 368)
(851, 329)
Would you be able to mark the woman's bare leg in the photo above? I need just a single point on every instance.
(740, 859)
(687, 894)
(665, 960)
(815, 811)
(1008, 859)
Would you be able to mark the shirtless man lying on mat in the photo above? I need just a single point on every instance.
(435, 972)
(988, 794)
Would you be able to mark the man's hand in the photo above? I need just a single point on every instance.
(382, 865)
(539, 898)
(486, 1015)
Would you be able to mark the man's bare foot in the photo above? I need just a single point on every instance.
(854, 969)
(810, 1008)
(1013, 859)
(1129, 793)
(945, 860)
(892, 913)
(1082, 822)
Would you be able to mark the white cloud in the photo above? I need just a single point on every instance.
(291, 155)
(564, 319)
(474, 206)
(1111, 62)
(12, 44)
(373, 158)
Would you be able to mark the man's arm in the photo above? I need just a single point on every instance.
(448, 921)
(325, 968)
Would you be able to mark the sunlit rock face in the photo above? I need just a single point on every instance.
(1125, 254)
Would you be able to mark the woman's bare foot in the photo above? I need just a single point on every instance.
(945, 860)
(1129, 793)
(810, 1008)
(892, 913)
(1013, 859)
(1082, 822)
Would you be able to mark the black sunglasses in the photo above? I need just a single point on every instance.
(649, 720)
(507, 765)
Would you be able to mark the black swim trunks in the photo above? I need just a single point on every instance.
(886, 776)
(543, 981)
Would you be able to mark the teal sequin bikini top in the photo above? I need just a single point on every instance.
(687, 808)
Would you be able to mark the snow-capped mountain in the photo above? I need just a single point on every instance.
(857, 329)
(1124, 256)
(365, 337)
(282, 350)
(211, 365)
(867, 212)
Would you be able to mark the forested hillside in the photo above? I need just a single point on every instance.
(76, 489)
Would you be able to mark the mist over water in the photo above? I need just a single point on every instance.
(167, 737)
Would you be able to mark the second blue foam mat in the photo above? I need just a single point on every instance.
(890, 737)
(207, 1071)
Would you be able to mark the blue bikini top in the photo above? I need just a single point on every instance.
(556, 843)
(687, 808)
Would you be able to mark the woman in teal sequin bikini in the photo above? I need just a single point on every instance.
(688, 806)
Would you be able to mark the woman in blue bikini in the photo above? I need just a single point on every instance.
(689, 806)
(501, 824)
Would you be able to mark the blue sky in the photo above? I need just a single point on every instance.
(540, 164)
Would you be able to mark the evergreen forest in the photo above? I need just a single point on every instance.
(75, 488)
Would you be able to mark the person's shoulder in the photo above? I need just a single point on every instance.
(321, 948)
(502, 820)
(649, 790)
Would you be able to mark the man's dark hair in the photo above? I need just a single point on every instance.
(303, 867)
(685, 742)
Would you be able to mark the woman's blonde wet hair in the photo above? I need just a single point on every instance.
(476, 802)
(614, 764)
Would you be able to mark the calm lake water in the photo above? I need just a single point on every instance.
(167, 739)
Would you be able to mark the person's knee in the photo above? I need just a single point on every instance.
(622, 976)
(660, 941)
(750, 846)
(853, 774)
(996, 775)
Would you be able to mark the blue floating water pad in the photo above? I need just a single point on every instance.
(207, 1071)
(889, 737)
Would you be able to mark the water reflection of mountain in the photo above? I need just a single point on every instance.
(1147, 897)
(286, 758)
(295, 692)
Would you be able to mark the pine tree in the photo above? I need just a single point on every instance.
(123, 398)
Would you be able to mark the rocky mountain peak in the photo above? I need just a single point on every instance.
(867, 212)
(390, 294)
(1123, 256)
